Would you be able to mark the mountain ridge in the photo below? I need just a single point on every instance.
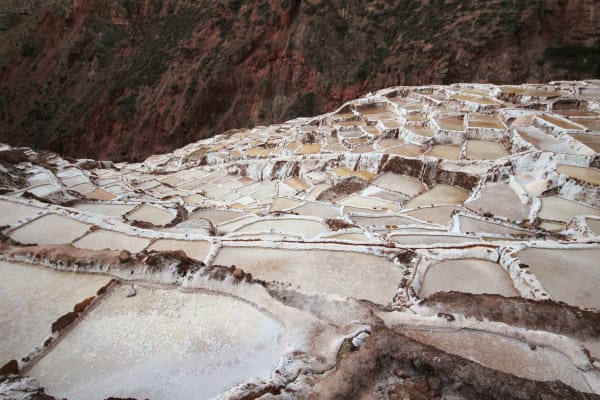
(124, 79)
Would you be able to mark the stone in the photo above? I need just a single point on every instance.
(10, 368)
(64, 321)
(434, 383)
(131, 292)
(81, 306)
(124, 256)
(238, 273)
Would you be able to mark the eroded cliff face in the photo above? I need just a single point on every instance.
(121, 79)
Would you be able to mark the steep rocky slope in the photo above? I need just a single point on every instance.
(420, 243)
(121, 79)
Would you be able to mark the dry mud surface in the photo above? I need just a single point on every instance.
(314, 260)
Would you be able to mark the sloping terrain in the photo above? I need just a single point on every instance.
(122, 79)
(429, 242)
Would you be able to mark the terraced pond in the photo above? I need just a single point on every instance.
(198, 343)
(467, 275)
(357, 275)
(32, 298)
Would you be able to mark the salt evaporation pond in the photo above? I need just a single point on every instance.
(439, 194)
(50, 229)
(594, 225)
(468, 224)
(556, 208)
(358, 275)
(162, 344)
(411, 239)
(484, 150)
(13, 212)
(216, 216)
(32, 298)
(500, 199)
(109, 210)
(505, 354)
(449, 152)
(197, 249)
(151, 214)
(400, 183)
(441, 215)
(287, 226)
(572, 276)
(315, 209)
(102, 239)
(589, 175)
(468, 276)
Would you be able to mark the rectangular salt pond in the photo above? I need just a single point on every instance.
(589, 175)
(446, 151)
(11, 213)
(560, 122)
(216, 216)
(198, 249)
(591, 141)
(287, 226)
(368, 203)
(283, 203)
(109, 210)
(543, 141)
(358, 275)
(439, 194)
(32, 298)
(451, 123)
(474, 225)
(468, 276)
(400, 183)
(499, 199)
(556, 208)
(50, 229)
(594, 225)
(428, 240)
(441, 215)
(103, 239)
(408, 150)
(153, 215)
(385, 222)
(505, 354)
(484, 150)
(162, 344)
(318, 210)
(572, 276)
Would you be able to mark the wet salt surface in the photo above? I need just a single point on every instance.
(594, 225)
(50, 229)
(499, 199)
(287, 226)
(32, 298)
(505, 354)
(400, 183)
(572, 276)
(439, 194)
(103, 239)
(484, 150)
(467, 275)
(362, 276)
(558, 209)
(11, 213)
(110, 210)
(162, 344)
(150, 214)
(193, 249)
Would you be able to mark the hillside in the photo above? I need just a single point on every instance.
(121, 79)
(417, 243)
